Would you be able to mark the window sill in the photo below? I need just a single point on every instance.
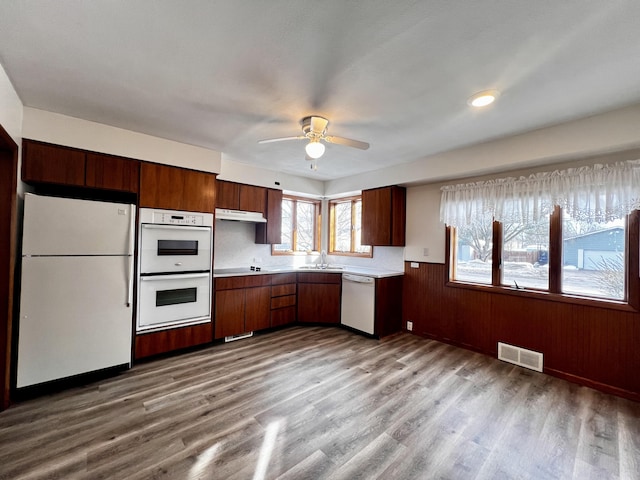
(548, 296)
(352, 254)
(292, 253)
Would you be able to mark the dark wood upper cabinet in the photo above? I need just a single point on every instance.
(54, 164)
(271, 232)
(238, 196)
(112, 173)
(384, 216)
(253, 199)
(227, 195)
(174, 188)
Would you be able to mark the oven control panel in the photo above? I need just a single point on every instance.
(174, 217)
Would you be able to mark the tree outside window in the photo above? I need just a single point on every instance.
(346, 227)
(300, 226)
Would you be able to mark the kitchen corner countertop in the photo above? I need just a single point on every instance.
(354, 270)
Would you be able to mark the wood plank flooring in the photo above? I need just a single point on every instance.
(323, 403)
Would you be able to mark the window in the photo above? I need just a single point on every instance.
(474, 251)
(525, 254)
(345, 228)
(593, 261)
(573, 232)
(593, 258)
(300, 226)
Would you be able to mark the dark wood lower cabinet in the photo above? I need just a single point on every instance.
(258, 309)
(319, 302)
(242, 304)
(229, 312)
(164, 341)
(283, 316)
(283, 299)
(388, 312)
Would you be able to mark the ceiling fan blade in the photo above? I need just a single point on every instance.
(282, 139)
(319, 125)
(347, 142)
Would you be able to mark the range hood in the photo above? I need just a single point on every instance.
(239, 216)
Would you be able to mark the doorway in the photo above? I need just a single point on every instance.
(8, 192)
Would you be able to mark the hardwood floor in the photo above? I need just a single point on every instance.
(324, 403)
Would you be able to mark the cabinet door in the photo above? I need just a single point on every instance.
(229, 312)
(174, 188)
(376, 216)
(45, 163)
(112, 173)
(227, 195)
(253, 199)
(271, 232)
(383, 216)
(257, 308)
(318, 303)
(283, 316)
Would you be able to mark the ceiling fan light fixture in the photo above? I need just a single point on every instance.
(484, 98)
(315, 149)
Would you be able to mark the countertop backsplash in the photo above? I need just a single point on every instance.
(235, 246)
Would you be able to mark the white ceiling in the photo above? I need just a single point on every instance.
(397, 74)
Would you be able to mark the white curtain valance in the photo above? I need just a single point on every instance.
(596, 193)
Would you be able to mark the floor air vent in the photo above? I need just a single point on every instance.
(231, 338)
(520, 356)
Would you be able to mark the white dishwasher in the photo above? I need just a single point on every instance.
(358, 302)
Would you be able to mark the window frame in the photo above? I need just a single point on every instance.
(317, 218)
(631, 301)
(332, 230)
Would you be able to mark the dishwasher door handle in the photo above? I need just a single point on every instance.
(357, 279)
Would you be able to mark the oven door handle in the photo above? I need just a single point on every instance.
(180, 276)
(153, 226)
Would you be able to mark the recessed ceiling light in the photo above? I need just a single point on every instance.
(484, 98)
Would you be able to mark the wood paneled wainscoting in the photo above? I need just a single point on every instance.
(582, 342)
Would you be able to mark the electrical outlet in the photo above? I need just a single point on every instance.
(415, 265)
(410, 326)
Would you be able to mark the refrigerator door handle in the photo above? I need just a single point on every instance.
(130, 282)
(132, 231)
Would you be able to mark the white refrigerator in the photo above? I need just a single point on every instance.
(76, 289)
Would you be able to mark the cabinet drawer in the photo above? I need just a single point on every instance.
(279, 302)
(317, 277)
(227, 283)
(280, 278)
(283, 316)
(281, 290)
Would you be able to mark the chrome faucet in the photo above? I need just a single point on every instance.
(323, 259)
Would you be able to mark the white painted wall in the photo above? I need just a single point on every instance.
(608, 132)
(424, 229)
(74, 132)
(243, 173)
(11, 109)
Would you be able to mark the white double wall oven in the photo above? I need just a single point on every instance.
(174, 269)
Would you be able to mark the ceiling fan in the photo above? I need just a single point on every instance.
(314, 129)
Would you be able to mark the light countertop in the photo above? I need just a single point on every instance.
(354, 270)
